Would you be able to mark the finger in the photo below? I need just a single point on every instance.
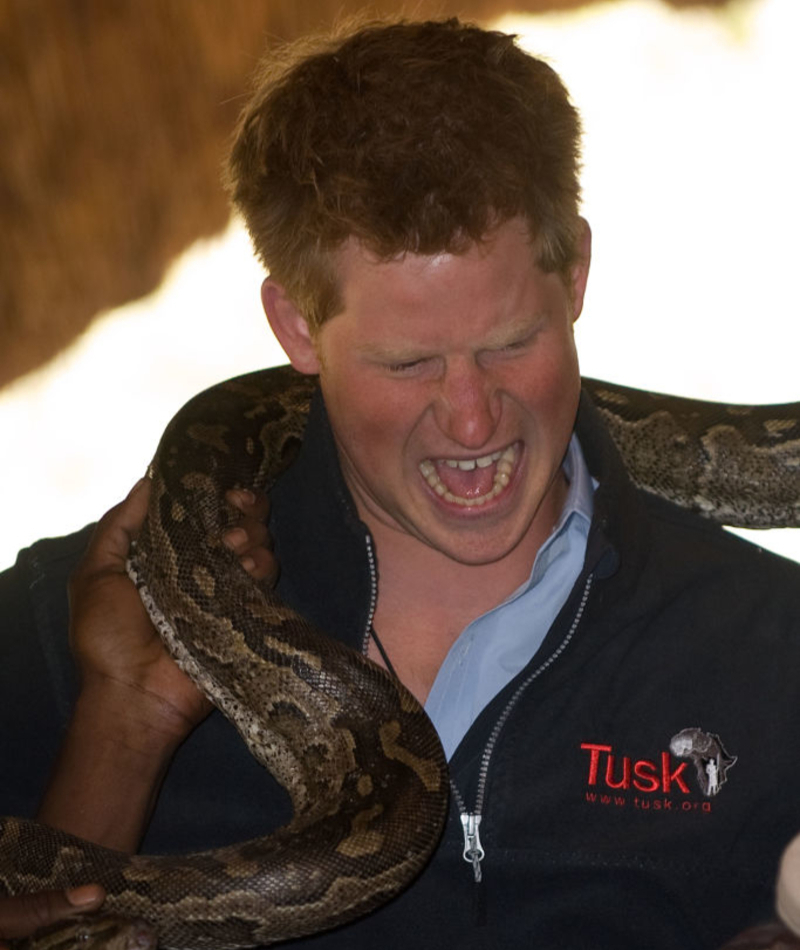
(112, 538)
(253, 551)
(261, 564)
(23, 915)
(246, 536)
(252, 503)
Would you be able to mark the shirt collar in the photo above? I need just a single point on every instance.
(580, 493)
(572, 526)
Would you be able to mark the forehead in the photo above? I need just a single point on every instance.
(487, 295)
(504, 258)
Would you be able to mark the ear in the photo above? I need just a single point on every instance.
(580, 269)
(290, 328)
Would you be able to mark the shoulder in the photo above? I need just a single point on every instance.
(43, 567)
(682, 546)
(35, 611)
(713, 542)
(37, 677)
(733, 586)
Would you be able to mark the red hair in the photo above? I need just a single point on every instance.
(410, 138)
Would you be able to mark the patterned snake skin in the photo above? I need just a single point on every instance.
(739, 465)
(356, 753)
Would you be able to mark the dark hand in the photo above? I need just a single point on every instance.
(113, 639)
(118, 650)
(771, 936)
(24, 915)
(135, 706)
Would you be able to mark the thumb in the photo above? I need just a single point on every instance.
(131, 512)
(116, 530)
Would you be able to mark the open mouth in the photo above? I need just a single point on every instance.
(471, 482)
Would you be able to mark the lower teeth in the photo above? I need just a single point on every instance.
(501, 479)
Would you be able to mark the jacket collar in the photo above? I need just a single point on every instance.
(621, 532)
(321, 544)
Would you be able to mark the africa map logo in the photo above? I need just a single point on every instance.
(660, 783)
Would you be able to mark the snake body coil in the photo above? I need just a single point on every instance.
(739, 465)
(358, 756)
(356, 753)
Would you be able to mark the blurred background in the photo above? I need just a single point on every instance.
(125, 287)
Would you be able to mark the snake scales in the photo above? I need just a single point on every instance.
(358, 757)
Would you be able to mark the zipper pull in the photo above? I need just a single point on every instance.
(473, 851)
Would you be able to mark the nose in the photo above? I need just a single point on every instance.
(468, 404)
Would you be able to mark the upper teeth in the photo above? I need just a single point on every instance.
(467, 465)
(505, 466)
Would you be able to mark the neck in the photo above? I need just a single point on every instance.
(412, 571)
(416, 570)
(427, 598)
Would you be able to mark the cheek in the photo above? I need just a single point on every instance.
(552, 390)
(374, 422)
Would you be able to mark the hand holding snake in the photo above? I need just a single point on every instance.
(103, 598)
(22, 916)
(134, 695)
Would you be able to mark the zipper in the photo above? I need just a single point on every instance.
(473, 849)
(474, 852)
(373, 592)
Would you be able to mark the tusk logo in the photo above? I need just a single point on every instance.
(708, 755)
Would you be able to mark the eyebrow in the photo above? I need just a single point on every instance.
(402, 351)
(390, 353)
(520, 330)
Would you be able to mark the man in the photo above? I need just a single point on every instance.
(589, 655)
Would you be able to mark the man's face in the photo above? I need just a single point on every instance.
(452, 383)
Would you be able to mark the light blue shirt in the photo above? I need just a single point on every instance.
(490, 652)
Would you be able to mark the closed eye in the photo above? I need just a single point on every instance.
(406, 366)
(514, 346)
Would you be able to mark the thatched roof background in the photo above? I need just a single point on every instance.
(114, 118)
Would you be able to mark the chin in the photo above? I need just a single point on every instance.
(474, 548)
